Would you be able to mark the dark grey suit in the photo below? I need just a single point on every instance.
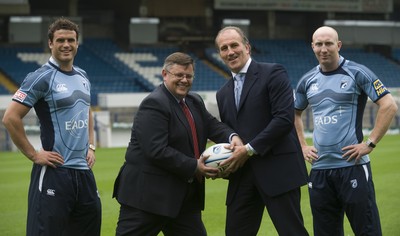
(265, 119)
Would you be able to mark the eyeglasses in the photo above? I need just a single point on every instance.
(181, 75)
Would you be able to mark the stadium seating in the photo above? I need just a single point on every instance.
(297, 57)
(387, 70)
(112, 69)
(396, 54)
(149, 62)
(3, 90)
(16, 67)
(294, 55)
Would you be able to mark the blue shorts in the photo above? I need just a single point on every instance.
(63, 201)
(349, 190)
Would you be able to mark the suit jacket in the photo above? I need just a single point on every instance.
(265, 119)
(159, 161)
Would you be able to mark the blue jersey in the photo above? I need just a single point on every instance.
(62, 102)
(338, 100)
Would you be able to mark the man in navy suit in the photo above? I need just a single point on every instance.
(160, 187)
(269, 169)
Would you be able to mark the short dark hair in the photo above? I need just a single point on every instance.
(62, 23)
(179, 58)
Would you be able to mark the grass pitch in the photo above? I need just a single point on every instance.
(15, 174)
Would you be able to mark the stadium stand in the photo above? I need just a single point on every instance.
(116, 70)
(3, 90)
(396, 54)
(386, 69)
(15, 67)
(110, 68)
(148, 62)
(113, 69)
(297, 57)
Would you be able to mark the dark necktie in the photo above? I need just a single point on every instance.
(192, 127)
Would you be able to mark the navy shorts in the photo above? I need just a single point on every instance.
(63, 201)
(349, 190)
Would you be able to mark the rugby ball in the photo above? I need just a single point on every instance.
(216, 154)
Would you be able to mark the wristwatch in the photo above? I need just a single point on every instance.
(370, 143)
(92, 147)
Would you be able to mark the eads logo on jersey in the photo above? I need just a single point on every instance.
(77, 123)
(379, 87)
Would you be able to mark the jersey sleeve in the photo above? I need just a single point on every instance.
(371, 84)
(33, 88)
(300, 95)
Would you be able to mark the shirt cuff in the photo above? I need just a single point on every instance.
(250, 150)
(231, 136)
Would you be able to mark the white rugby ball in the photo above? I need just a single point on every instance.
(217, 153)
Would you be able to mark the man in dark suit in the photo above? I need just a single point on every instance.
(269, 170)
(160, 187)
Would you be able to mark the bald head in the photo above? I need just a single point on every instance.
(328, 31)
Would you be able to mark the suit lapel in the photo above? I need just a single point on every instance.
(230, 88)
(249, 81)
(178, 111)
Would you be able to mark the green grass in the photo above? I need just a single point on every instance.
(15, 173)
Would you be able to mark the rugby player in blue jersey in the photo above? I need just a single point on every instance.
(340, 179)
(63, 197)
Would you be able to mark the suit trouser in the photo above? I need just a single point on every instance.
(244, 213)
(136, 222)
